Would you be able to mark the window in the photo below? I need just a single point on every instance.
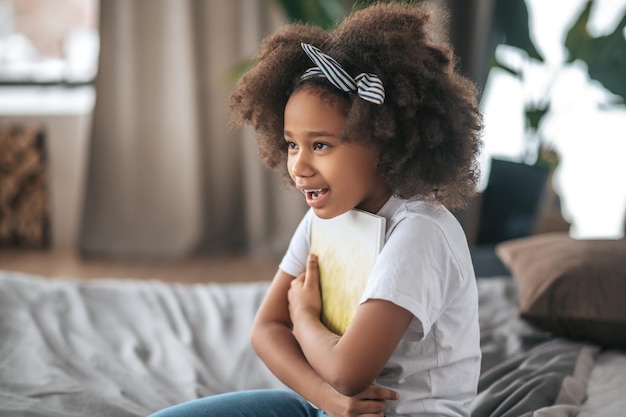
(48, 41)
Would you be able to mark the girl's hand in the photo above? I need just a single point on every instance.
(370, 403)
(304, 294)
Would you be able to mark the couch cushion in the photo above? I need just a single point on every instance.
(572, 288)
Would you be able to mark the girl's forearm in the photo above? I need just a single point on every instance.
(281, 353)
(319, 346)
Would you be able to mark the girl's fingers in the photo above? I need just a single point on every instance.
(375, 392)
(312, 272)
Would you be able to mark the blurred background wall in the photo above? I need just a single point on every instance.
(158, 173)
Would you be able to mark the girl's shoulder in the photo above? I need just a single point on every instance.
(418, 211)
(426, 221)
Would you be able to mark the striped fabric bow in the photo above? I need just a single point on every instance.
(368, 86)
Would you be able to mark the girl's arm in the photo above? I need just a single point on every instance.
(351, 362)
(274, 342)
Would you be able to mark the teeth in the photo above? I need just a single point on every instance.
(313, 193)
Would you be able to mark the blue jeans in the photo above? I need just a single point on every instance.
(256, 403)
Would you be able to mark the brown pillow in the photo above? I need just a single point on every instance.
(572, 288)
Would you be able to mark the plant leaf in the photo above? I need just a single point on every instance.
(534, 114)
(322, 13)
(605, 56)
(510, 25)
(499, 64)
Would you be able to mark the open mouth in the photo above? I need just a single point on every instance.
(314, 194)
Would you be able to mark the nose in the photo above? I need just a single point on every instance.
(299, 165)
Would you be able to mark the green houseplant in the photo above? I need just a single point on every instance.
(603, 56)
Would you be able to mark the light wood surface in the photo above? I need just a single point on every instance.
(215, 268)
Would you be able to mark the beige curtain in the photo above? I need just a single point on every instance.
(167, 176)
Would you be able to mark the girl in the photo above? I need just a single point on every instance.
(371, 116)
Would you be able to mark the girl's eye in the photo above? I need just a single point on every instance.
(291, 145)
(319, 146)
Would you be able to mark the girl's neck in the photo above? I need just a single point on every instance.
(375, 203)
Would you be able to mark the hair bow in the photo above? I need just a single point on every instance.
(368, 86)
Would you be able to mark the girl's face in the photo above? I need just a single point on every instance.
(334, 176)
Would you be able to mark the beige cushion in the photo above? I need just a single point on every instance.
(572, 288)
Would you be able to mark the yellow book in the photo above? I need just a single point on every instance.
(347, 247)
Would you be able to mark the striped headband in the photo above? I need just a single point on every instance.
(368, 86)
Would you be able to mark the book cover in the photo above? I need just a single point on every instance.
(347, 247)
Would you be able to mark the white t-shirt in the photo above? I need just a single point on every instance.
(424, 267)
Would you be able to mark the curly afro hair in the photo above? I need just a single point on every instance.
(427, 132)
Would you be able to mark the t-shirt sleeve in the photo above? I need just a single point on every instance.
(294, 260)
(414, 271)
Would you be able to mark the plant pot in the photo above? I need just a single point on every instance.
(511, 201)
